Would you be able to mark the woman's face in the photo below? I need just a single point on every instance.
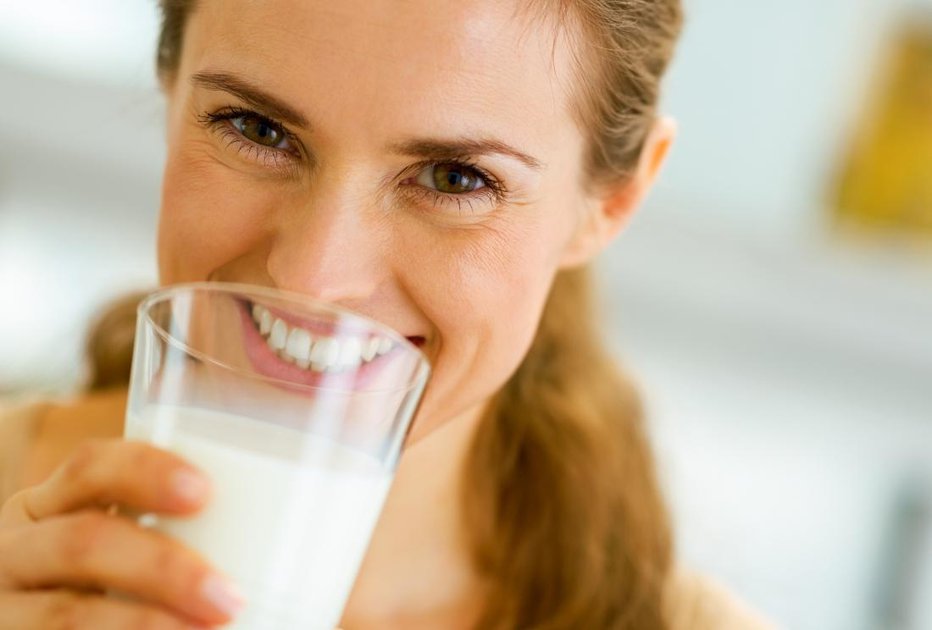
(417, 162)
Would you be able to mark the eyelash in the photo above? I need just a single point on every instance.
(284, 160)
(279, 159)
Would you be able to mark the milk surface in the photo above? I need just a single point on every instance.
(290, 516)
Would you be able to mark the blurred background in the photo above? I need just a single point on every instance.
(774, 298)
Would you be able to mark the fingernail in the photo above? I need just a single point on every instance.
(189, 486)
(222, 594)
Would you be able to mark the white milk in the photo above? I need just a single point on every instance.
(290, 516)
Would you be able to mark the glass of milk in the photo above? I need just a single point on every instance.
(298, 411)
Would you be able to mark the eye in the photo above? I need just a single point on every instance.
(256, 138)
(451, 178)
(260, 130)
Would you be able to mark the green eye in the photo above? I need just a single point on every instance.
(451, 179)
(259, 130)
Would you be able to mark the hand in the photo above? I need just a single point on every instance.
(61, 549)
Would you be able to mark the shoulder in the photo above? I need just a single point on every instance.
(19, 424)
(37, 434)
(699, 603)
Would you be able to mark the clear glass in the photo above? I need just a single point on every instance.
(298, 411)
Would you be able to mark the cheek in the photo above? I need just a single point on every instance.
(488, 278)
(484, 295)
(210, 214)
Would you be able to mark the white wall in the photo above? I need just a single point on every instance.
(789, 409)
(79, 189)
(787, 373)
(764, 92)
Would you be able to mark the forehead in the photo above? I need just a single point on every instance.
(483, 66)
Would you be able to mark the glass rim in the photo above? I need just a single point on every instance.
(166, 293)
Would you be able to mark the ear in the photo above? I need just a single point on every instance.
(609, 210)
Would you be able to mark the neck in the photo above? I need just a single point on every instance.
(417, 571)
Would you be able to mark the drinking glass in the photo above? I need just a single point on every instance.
(297, 410)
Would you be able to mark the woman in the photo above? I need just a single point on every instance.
(449, 169)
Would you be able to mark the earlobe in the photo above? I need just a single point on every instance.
(610, 212)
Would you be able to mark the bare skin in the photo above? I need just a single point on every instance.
(63, 427)
(345, 182)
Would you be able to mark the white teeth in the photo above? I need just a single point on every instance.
(385, 344)
(370, 349)
(298, 346)
(324, 354)
(321, 354)
(350, 353)
(265, 322)
(279, 335)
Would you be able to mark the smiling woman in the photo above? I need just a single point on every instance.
(449, 170)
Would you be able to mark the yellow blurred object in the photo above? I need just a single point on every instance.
(886, 179)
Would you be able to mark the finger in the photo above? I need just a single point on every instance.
(61, 609)
(103, 472)
(92, 549)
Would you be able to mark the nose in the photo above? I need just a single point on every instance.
(330, 248)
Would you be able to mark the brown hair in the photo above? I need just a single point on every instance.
(566, 521)
(109, 343)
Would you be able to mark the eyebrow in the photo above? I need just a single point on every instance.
(439, 150)
(250, 93)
